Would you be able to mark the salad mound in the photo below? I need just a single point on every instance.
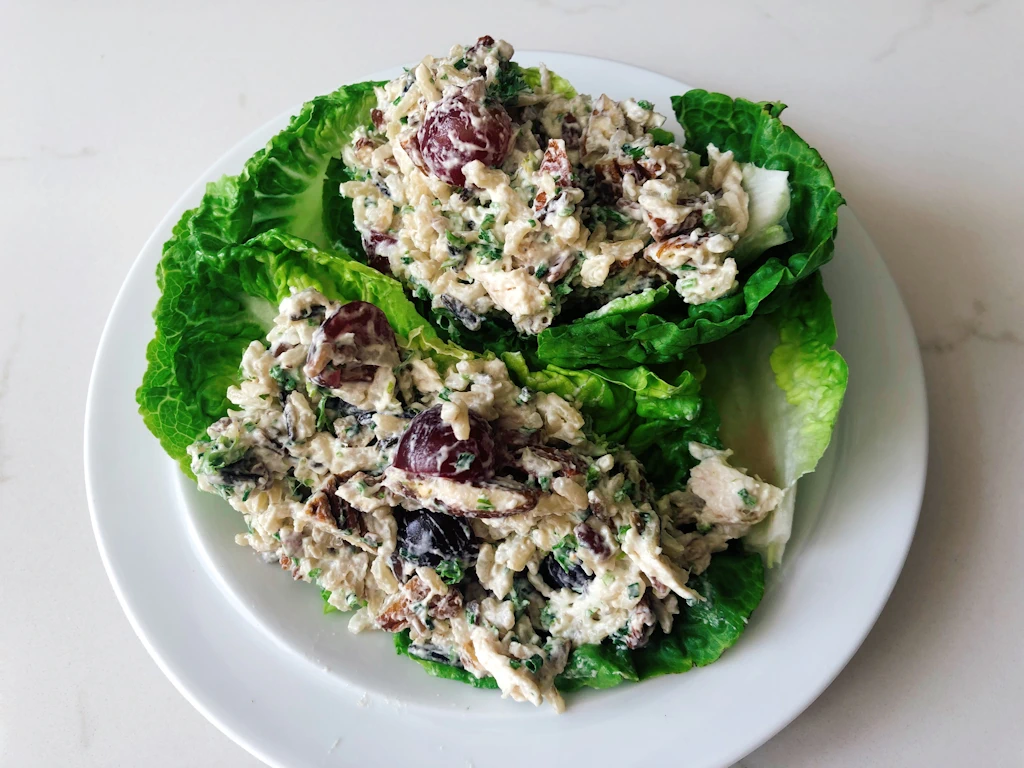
(566, 509)
(490, 198)
(448, 502)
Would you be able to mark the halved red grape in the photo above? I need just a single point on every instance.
(378, 247)
(459, 130)
(332, 360)
(429, 447)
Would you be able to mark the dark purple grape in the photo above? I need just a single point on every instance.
(556, 577)
(378, 246)
(427, 538)
(457, 131)
(329, 363)
(429, 447)
(470, 319)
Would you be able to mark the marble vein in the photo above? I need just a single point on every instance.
(919, 25)
(972, 328)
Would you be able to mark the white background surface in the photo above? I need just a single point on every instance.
(109, 111)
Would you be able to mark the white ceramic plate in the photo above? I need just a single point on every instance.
(252, 651)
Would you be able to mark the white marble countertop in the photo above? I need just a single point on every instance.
(111, 109)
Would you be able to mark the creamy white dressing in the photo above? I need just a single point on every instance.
(585, 191)
(310, 468)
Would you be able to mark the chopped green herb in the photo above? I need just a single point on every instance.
(608, 215)
(461, 64)
(748, 498)
(626, 491)
(635, 152)
(450, 571)
(508, 83)
(709, 219)
(593, 476)
(608, 577)
(245, 496)
(455, 240)
(315, 573)
(326, 595)
(534, 663)
(396, 100)
(633, 590)
(403, 120)
(544, 483)
(660, 136)
(621, 533)
(483, 503)
(540, 271)
(283, 379)
(644, 104)
(547, 616)
(533, 222)
(445, 394)
(563, 552)
(487, 223)
(407, 260)
(277, 535)
(322, 419)
(515, 663)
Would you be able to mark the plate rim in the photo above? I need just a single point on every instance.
(92, 461)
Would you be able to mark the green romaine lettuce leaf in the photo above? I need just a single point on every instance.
(216, 299)
(732, 587)
(439, 669)
(755, 134)
(778, 386)
(559, 84)
(288, 178)
(654, 418)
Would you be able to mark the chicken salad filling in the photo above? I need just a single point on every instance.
(436, 497)
(494, 191)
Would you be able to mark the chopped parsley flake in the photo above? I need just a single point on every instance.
(660, 136)
(544, 483)
(608, 215)
(465, 461)
(450, 571)
(315, 573)
(445, 394)
(633, 590)
(326, 595)
(644, 104)
(626, 491)
(747, 497)
(635, 152)
(563, 552)
(283, 379)
(508, 83)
